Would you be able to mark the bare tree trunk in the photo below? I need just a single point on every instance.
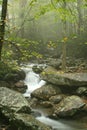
(2, 25)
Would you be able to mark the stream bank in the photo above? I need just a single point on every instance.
(43, 99)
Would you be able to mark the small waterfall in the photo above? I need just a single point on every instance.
(32, 80)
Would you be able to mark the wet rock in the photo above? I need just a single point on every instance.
(20, 86)
(85, 107)
(53, 76)
(45, 92)
(37, 69)
(15, 76)
(34, 102)
(69, 106)
(82, 91)
(46, 104)
(56, 99)
(4, 84)
(36, 113)
(27, 122)
(16, 108)
(12, 101)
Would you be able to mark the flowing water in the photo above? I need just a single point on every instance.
(33, 82)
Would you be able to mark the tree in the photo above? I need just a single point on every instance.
(80, 19)
(64, 39)
(22, 5)
(2, 24)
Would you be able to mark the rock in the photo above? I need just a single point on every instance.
(45, 92)
(64, 79)
(27, 122)
(82, 91)
(15, 76)
(33, 102)
(16, 108)
(85, 107)
(46, 104)
(69, 106)
(12, 101)
(56, 99)
(4, 84)
(20, 86)
(56, 63)
(37, 69)
(36, 114)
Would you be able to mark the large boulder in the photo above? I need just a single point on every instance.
(64, 79)
(69, 106)
(15, 76)
(56, 63)
(27, 122)
(16, 109)
(12, 101)
(4, 84)
(45, 92)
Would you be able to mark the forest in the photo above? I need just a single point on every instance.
(43, 64)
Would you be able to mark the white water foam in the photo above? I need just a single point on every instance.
(32, 80)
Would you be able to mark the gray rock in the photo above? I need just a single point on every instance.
(69, 106)
(45, 92)
(12, 101)
(56, 63)
(81, 91)
(16, 108)
(64, 79)
(20, 86)
(28, 122)
(37, 69)
(15, 76)
(46, 104)
(56, 99)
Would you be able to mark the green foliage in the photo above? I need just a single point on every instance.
(7, 67)
(41, 20)
(21, 50)
(43, 9)
(32, 2)
(0, 2)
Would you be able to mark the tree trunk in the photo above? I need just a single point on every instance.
(80, 20)
(22, 4)
(2, 25)
(64, 39)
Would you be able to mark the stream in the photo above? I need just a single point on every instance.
(33, 81)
